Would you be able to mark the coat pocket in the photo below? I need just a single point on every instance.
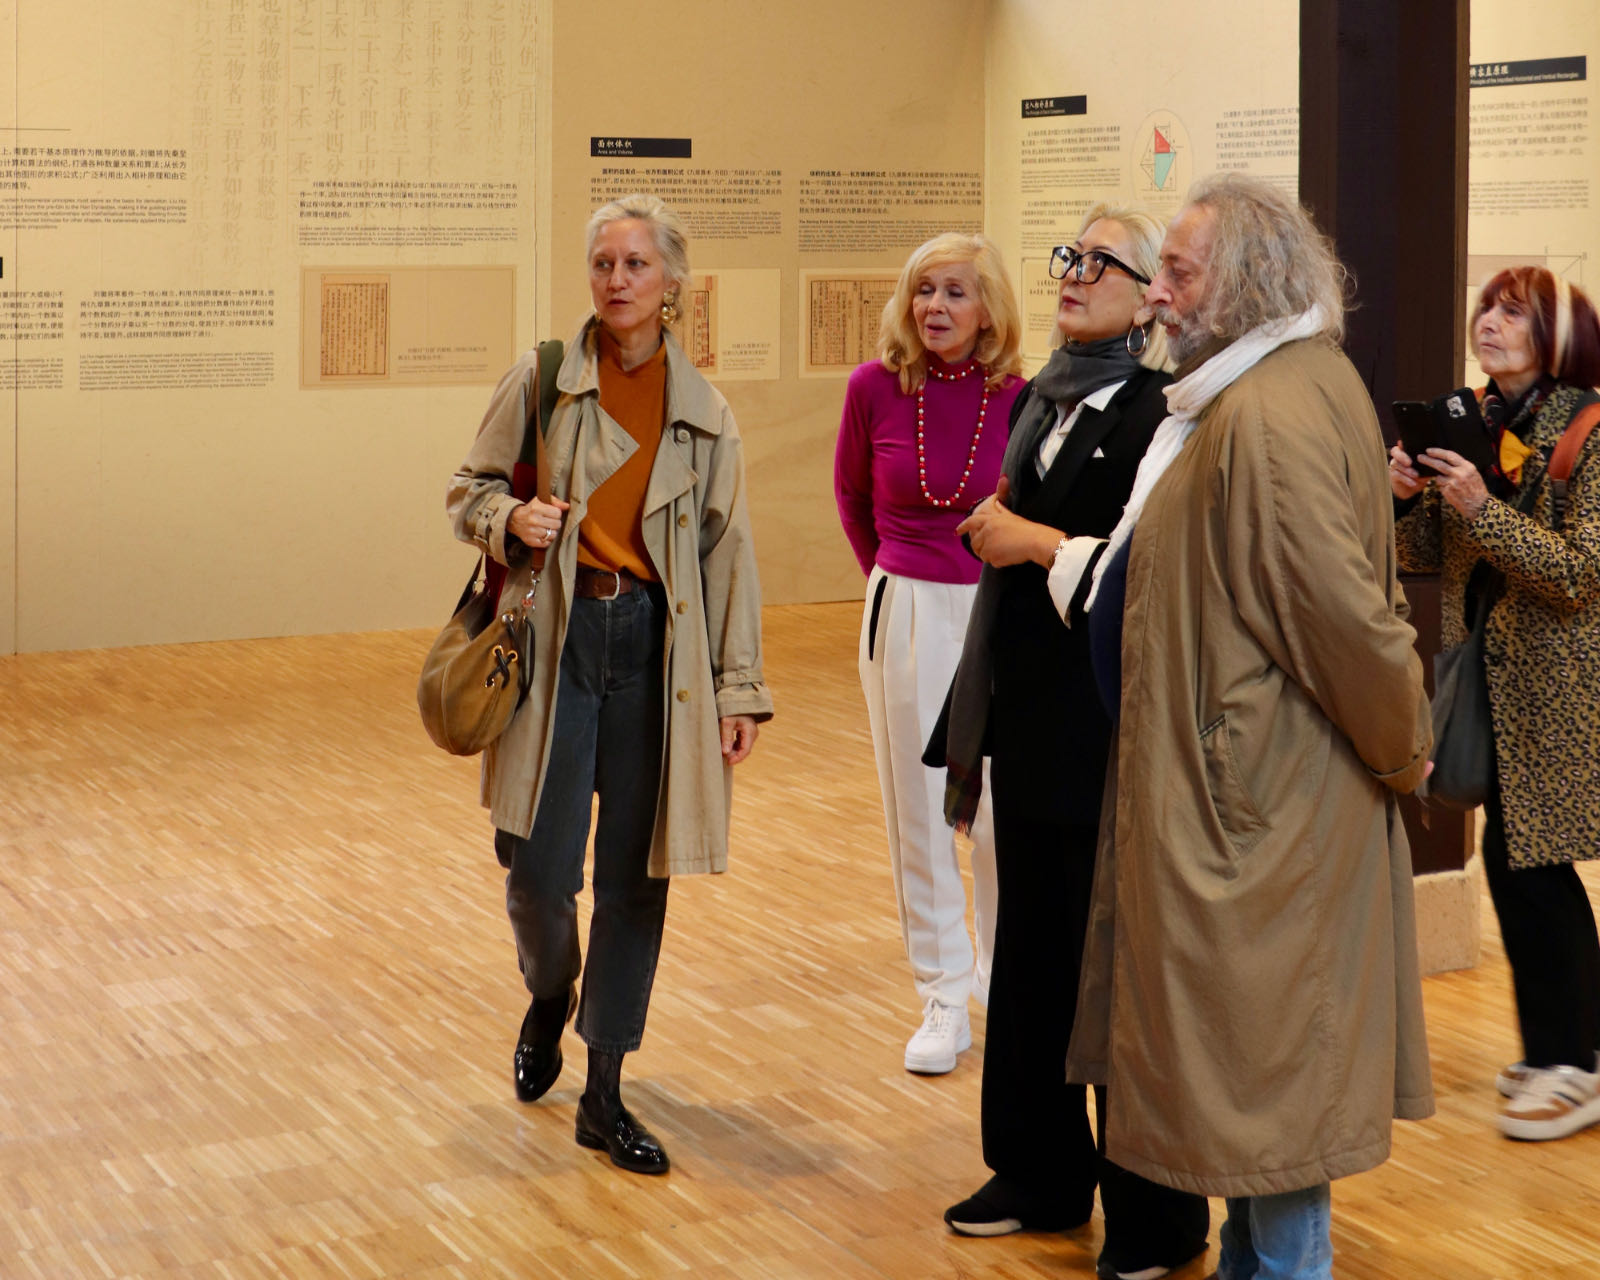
(1236, 811)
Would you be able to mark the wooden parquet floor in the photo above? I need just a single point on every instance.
(258, 1000)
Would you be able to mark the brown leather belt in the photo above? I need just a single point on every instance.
(602, 584)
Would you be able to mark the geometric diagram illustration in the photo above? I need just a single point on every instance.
(1163, 160)
(1158, 159)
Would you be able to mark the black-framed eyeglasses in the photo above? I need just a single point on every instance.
(1087, 266)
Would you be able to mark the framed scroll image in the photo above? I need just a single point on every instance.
(729, 325)
(840, 314)
(697, 323)
(406, 326)
(1041, 299)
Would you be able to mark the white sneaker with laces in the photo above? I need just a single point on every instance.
(1554, 1102)
(945, 1032)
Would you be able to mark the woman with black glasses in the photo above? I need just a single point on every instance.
(1025, 696)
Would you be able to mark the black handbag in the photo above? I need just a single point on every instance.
(475, 674)
(1463, 726)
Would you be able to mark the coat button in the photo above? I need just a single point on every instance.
(683, 436)
(683, 695)
(683, 522)
(683, 606)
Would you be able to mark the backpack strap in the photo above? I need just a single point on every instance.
(1566, 454)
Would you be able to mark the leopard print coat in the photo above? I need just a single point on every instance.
(1542, 641)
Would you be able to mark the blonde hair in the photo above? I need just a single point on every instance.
(1268, 259)
(999, 345)
(1146, 231)
(666, 229)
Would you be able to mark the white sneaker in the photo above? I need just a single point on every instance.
(1510, 1079)
(1554, 1102)
(944, 1033)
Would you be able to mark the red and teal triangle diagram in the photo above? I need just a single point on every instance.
(1163, 155)
(1160, 156)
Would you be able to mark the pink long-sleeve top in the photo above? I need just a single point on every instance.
(885, 515)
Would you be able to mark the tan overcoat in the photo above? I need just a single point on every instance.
(1542, 640)
(1250, 990)
(697, 533)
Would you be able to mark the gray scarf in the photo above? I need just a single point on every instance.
(1080, 369)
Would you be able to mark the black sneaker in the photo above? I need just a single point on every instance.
(998, 1208)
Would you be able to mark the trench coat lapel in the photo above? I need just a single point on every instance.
(670, 476)
(691, 409)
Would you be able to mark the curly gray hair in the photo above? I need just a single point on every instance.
(1268, 259)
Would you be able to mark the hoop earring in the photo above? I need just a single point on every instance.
(1144, 339)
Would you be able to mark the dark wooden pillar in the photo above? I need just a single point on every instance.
(1383, 169)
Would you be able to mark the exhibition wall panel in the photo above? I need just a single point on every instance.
(11, 346)
(1080, 112)
(269, 257)
(810, 148)
(1534, 169)
(261, 261)
(265, 259)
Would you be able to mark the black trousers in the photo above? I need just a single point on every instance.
(1549, 932)
(1036, 1132)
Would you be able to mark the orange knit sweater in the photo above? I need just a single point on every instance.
(610, 536)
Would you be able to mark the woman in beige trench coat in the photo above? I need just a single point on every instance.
(646, 657)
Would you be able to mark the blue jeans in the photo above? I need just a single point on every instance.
(1281, 1237)
(609, 727)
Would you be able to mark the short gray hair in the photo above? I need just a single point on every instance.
(666, 229)
(1268, 259)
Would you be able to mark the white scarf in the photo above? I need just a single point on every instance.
(1186, 401)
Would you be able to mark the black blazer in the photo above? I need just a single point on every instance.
(1048, 730)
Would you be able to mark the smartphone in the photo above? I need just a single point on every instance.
(1453, 421)
(1414, 420)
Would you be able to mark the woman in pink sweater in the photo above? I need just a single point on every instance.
(920, 443)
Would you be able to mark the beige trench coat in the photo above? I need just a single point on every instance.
(1250, 988)
(697, 533)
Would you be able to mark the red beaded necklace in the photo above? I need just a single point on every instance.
(972, 453)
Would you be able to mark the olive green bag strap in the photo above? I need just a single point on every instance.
(551, 354)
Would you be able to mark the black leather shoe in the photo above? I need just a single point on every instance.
(535, 1069)
(536, 1064)
(629, 1144)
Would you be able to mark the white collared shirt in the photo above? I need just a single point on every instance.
(1074, 555)
(1057, 435)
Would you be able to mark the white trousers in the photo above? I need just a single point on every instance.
(906, 670)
